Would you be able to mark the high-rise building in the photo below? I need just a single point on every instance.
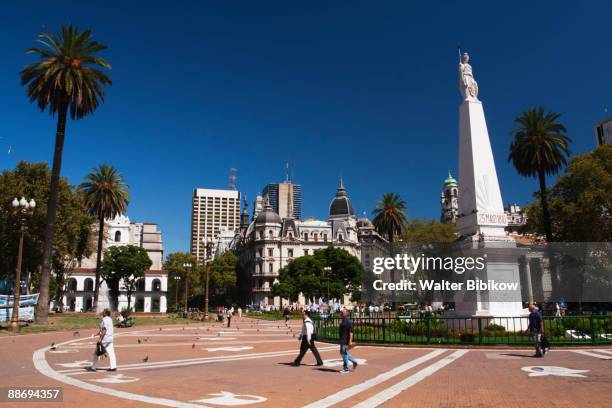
(211, 212)
(603, 132)
(285, 199)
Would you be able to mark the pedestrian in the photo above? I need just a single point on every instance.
(536, 329)
(286, 313)
(239, 311)
(229, 317)
(307, 340)
(105, 339)
(557, 310)
(346, 341)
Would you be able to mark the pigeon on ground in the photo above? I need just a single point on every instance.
(145, 359)
(53, 346)
(192, 346)
(160, 329)
(76, 333)
(139, 341)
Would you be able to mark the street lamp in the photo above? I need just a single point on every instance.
(22, 209)
(209, 246)
(176, 283)
(186, 265)
(327, 270)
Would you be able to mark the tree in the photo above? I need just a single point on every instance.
(580, 201)
(223, 273)
(65, 79)
(124, 264)
(106, 196)
(189, 278)
(306, 275)
(429, 231)
(73, 224)
(390, 215)
(540, 148)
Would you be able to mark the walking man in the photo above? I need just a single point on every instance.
(346, 341)
(536, 328)
(229, 316)
(105, 335)
(307, 340)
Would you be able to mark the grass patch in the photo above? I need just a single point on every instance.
(278, 315)
(75, 322)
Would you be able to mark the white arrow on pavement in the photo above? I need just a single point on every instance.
(542, 371)
(230, 399)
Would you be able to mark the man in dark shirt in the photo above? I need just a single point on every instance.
(346, 340)
(536, 328)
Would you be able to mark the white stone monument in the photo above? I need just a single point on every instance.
(481, 220)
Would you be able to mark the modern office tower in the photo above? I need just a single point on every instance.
(212, 211)
(603, 132)
(285, 199)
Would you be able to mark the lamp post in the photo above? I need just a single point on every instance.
(187, 265)
(327, 270)
(22, 209)
(176, 283)
(209, 246)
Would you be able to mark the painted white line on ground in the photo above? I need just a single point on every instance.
(196, 361)
(403, 385)
(356, 389)
(603, 351)
(588, 353)
(43, 367)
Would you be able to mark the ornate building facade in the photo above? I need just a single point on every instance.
(150, 295)
(449, 201)
(269, 242)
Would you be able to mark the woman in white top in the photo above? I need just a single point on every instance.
(105, 335)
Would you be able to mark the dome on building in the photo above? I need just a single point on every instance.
(364, 223)
(268, 216)
(450, 181)
(341, 206)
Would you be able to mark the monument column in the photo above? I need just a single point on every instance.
(481, 220)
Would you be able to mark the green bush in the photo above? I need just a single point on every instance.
(495, 327)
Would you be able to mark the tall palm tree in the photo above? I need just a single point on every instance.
(106, 196)
(540, 148)
(65, 78)
(390, 215)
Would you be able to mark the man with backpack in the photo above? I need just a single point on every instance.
(307, 340)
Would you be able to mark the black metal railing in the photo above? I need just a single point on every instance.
(435, 329)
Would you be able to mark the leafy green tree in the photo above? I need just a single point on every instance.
(66, 78)
(428, 231)
(124, 265)
(190, 278)
(580, 201)
(73, 224)
(306, 275)
(223, 273)
(106, 196)
(540, 148)
(390, 215)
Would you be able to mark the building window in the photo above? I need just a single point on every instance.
(117, 236)
(325, 237)
(261, 235)
(72, 284)
(271, 234)
(290, 235)
(340, 237)
(156, 287)
(305, 236)
(290, 253)
(270, 268)
(315, 236)
(88, 284)
(270, 252)
(305, 252)
(140, 285)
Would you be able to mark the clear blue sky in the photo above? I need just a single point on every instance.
(360, 89)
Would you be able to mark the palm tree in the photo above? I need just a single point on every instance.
(390, 215)
(66, 78)
(539, 148)
(106, 196)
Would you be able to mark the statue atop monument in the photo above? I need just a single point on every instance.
(467, 83)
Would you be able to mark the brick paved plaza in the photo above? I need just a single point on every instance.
(202, 365)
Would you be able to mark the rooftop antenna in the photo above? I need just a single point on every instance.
(287, 176)
(232, 178)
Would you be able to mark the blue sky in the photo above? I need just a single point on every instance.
(359, 89)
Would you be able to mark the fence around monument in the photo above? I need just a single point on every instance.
(568, 330)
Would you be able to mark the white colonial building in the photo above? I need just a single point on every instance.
(268, 242)
(150, 295)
